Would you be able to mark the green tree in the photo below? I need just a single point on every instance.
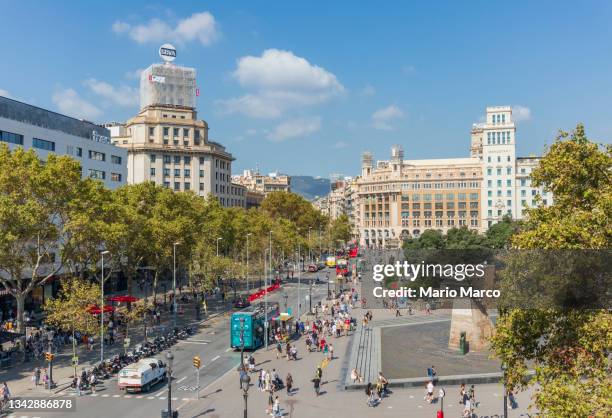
(499, 235)
(37, 202)
(569, 348)
(69, 312)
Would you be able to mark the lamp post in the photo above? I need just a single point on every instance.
(245, 380)
(242, 344)
(328, 291)
(169, 360)
(102, 308)
(174, 284)
(218, 239)
(503, 368)
(299, 306)
(285, 296)
(309, 252)
(266, 293)
(50, 338)
(247, 264)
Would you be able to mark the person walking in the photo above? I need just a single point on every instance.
(317, 384)
(36, 376)
(331, 352)
(276, 408)
(5, 395)
(279, 350)
(289, 384)
(92, 382)
(355, 376)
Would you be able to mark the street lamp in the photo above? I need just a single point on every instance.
(218, 239)
(102, 309)
(309, 252)
(245, 380)
(247, 266)
(286, 296)
(174, 284)
(50, 338)
(328, 291)
(242, 343)
(503, 368)
(169, 413)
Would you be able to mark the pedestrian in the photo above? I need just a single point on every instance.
(317, 384)
(276, 408)
(45, 378)
(427, 309)
(355, 376)
(78, 385)
(289, 383)
(36, 376)
(90, 342)
(430, 388)
(251, 363)
(370, 397)
(261, 380)
(462, 394)
(279, 350)
(331, 351)
(472, 396)
(5, 394)
(92, 382)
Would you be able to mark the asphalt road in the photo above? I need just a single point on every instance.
(211, 343)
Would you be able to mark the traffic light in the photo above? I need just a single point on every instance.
(197, 362)
(49, 356)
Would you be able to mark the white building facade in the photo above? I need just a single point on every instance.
(27, 126)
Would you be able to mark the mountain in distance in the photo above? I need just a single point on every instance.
(309, 187)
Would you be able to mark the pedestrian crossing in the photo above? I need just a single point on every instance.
(124, 396)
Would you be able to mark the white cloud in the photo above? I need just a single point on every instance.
(134, 75)
(520, 113)
(340, 145)
(383, 118)
(368, 90)
(200, 27)
(69, 102)
(278, 81)
(5, 93)
(122, 96)
(295, 128)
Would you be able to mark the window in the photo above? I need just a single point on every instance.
(152, 158)
(490, 213)
(185, 132)
(46, 145)
(11, 138)
(503, 118)
(508, 193)
(473, 196)
(522, 171)
(152, 171)
(523, 202)
(115, 159)
(450, 205)
(489, 171)
(166, 131)
(498, 159)
(187, 186)
(450, 213)
(98, 156)
(489, 159)
(175, 132)
(151, 131)
(187, 172)
(202, 160)
(167, 184)
(499, 171)
(167, 159)
(499, 183)
(201, 173)
(177, 172)
(177, 159)
(187, 160)
(177, 185)
(489, 203)
(166, 172)
(450, 196)
(534, 192)
(508, 202)
(508, 158)
(508, 170)
(499, 193)
(201, 187)
(196, 135)
(97, 174)
(509, 183)
(489, 183)
(489, 193)
(523, 193)
(79, 151)
(115, 177)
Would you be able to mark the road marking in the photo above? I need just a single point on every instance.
(193, 342)
(139, 397)
(94, 395)
(174, 399)
(116, 396)
(106, 395)
(127, 396)
(186, 399)
(160, 392)
(228, 349)
(150, 397)
(181, 379)
(215, 358)
(162, 398)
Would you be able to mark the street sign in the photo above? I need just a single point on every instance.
(126, 342)
(75, 360)
(441, 393)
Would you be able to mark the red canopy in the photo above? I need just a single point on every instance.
(125, 298)
(95, 310)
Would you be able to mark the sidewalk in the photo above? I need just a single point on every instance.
(223, 398)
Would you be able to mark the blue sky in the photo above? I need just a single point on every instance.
(305, 87)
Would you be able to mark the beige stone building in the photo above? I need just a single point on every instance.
(255, 181)
(400, 198)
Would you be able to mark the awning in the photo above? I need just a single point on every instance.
(124, 298)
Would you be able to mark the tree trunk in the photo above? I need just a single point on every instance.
(20, 298)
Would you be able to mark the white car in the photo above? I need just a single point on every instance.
(139, 377)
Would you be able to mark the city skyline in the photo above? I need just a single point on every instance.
(342, 89)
